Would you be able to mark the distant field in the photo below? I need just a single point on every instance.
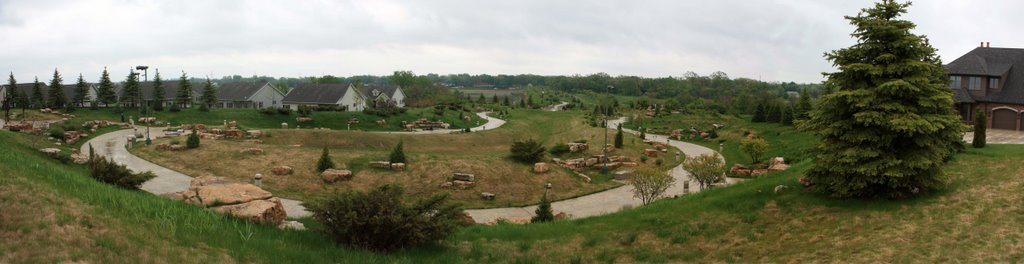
(488, 93)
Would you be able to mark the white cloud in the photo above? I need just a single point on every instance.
(772, 40)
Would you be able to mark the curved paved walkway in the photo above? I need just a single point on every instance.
(112, 145)
(605, 202)
(558, 107)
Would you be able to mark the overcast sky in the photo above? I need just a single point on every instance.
(781, 40)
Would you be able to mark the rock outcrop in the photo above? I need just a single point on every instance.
(242, 200)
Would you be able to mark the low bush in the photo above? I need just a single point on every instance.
(118, 175)
(379, 219)
(267, 111)
(559, 149)
(284, 111)
(193, 140)
(528, 151)
(56, 132)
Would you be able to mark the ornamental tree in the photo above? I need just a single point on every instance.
(889, 126)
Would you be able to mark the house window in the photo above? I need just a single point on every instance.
(993, 83)
(273, 102)
(974, 83)
(261, 104)
(954, 82)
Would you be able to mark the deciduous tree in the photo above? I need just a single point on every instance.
(707, 169)
(650, 183)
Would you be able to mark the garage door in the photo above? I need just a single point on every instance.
(1004, 119)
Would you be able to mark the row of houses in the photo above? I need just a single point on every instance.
(249, 95)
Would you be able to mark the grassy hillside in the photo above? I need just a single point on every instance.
(55, 213)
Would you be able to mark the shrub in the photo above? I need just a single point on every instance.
(559, 149)
(203, 107)
(543, 212)
(397, 154)
(379, 219)
(659, 162)
(706, 169)
(118, 175)
(304, 111)
(618, 137)
(325, 162)
(56, 132)
(174, 107)
(755, 147)
(193, 140)
(980, 121)
(528, 151)
(650, 183)
(267, 111)
(284, 111)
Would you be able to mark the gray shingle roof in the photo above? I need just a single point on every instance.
(239, 91)
(170, 90)
(992, 62)
(388, 90)
(316, 93)
(25, 89)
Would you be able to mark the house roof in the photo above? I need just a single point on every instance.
(317, 93)
(170, 90)
(386, 90)
(994, 62)
(239, 91)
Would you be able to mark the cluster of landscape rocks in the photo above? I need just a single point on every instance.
(596, 162)
(232, 131)
(383, 164)
(460, 181)
(774, 165)
(242, 200)
(423, 123)
(334, 175)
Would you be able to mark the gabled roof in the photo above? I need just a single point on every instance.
(239, 91)
(317, 93)
(386, 90)
(993, 62)
(25, 89)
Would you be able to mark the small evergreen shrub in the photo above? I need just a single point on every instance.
(528, 151)
(193, 140)
(380, 219)
(398, 154)
(325, 162)
(118, 175)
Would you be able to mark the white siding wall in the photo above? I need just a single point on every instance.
(352, 100)
(399, 97)
(268, 96)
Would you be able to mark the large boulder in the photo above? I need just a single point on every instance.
(541, 167)
(225, 194)
(651, 152)
(282, 170)
(380, 164)
(333, 175)
(52, 152)
(739, 170)
(79, 158)
(464, 177)
(255, 133)
(777, 164)
(269, 211)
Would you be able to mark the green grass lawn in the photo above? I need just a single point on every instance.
(976, 218)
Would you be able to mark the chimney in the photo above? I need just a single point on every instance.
(981, 44)
(987, 44)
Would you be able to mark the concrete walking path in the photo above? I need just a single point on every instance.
(113, 145)
(558, 107)
(492, 123)
(604, 202)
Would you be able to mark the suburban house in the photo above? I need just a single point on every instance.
(377, 95)
(991, 79)
(343, 96)
(170, 92)
(248, 95)
(25, 89)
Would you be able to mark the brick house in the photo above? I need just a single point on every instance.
(991, 79)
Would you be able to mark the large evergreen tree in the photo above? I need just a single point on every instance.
(889, 126)
(159, 94)
(11, 97)
(760, 114)
(106, 93)
(803, 105)
(130, 95)
(37, 99)
(56, 97)
(209, 96)
(184, 96)
(81, 91)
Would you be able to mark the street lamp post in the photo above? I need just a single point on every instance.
(143, 109)
(547, 187)
(604, 148)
